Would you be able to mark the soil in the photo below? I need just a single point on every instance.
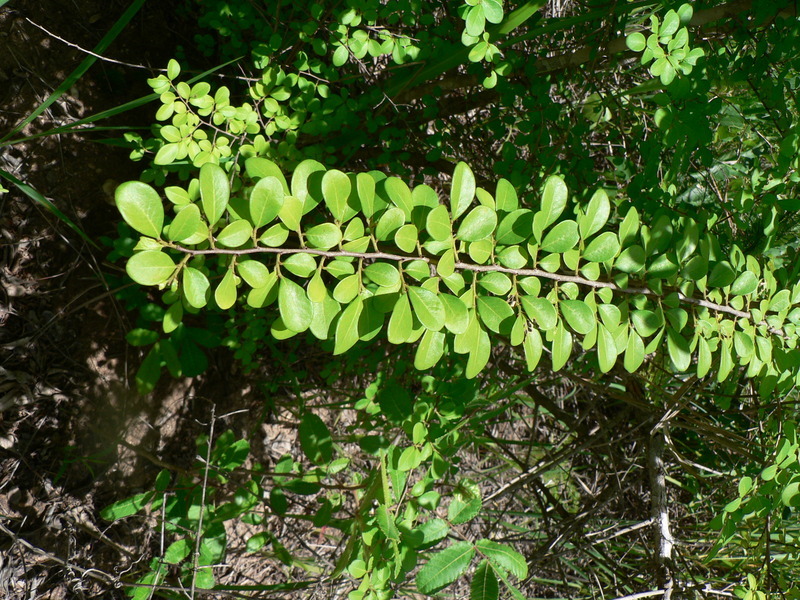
(65, 367)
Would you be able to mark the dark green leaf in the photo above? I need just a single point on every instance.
(315, 439)
(484, 583)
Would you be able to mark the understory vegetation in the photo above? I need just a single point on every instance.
(516, 281)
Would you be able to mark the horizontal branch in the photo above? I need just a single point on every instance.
(720, 308)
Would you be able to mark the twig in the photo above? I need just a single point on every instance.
(642, 595)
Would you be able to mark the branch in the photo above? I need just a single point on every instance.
(720, 308)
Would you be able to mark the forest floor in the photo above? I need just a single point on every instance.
(73, 436)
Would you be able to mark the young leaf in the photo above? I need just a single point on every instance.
(140, 206)
(462, 190)
(294, 305)
(315, 439)
(444, 567)
(484, 583)
(214, 191)
(150, 267)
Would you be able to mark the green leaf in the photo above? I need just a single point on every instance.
(484, 584)
(385, 520)
(225, 294)
(479, 353)
(141, 207)
(301, 264)
(462, 190)
(496, 314)
(406, 238)
(290, 214)
(578, 315)
(315, 439)
(395, 402)
(532, 346)
(383, 274)
(294, 305)
(347, 327)
(606, 349)
(430, 350)
(506, 196)
(721, 275)
(670, 24)
(678, 349)
(515, 227)
(255, 273)
(438, 224)
(258, 167)
(602, 248)
(745, 284)
(127, 507)
(630, 260)
(150, 267)
(503, 557)
(427, 307)
(562, 347)
(324, 236)
(703, 357)
(195, 287)
(177, 551)
(465, 504)
(561, 238)
(236, 234)
(400, 323)
(389, 222)
(400, 195)
(214, 191)
(336, 188)
(636, 41)
(306, 183)
(541, 310)
(185, 224)
(478, 224)
(554, 200)
(456, 318)
(634, 352)
(266, 200)
(596, 216)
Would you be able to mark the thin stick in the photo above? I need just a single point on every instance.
(198, 535)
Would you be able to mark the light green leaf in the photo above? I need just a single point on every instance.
(258, 167)
(195, 287)
(634, 352)
(478, 224)
(336, 188)
(561, 238)
(177, 551)
(214, 191)
(301, 264)
(506, 196)
(266, 200)
(406, 238)
(400, 195)
(294, 305)
(456, 317)
(347, 327)
(185, 224)
(291, 212)
(225, 294)
(479, 354)
(636, 41)
(496, 314)
(385, 520)
(541, 310)
(703, 357)
(447, 264)
(236, 234)
(515, 227)
(462, 190)
(141, 207)
(503, 557)
(125, 508)
(532, 346)
(554, 200)
(274, 236)
(306, 183)
(596, 216)
(438, 224)
(365, 188)
(150, 267)
(606, 349)
(678, 349)
(255, 273)
(383, 274)
(745, 284)
(602, 248)
(430, 350)
(389, 222)
(324, 236)
(427, 307)
(630, 260)
(578, 315)
(562, 347)
(347, 289)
